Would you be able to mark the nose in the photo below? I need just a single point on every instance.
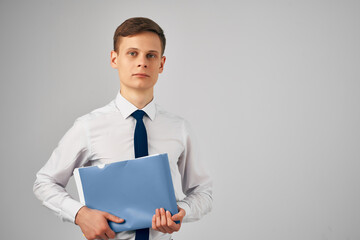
(142, 65)
(142, 62)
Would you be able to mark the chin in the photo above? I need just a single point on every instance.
(143, 85)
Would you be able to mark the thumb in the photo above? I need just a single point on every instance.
(113, 218)
(178, 217)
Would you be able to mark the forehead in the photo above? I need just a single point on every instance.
(145, 41)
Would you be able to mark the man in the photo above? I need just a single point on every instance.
(107, 135)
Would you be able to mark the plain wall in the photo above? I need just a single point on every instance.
(272, 89)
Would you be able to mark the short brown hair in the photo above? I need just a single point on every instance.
(137, 25)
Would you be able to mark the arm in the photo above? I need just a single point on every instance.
(72, 151)
(49, 187)
(196, 184)
(195, 178)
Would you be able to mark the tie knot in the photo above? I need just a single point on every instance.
(138, 114)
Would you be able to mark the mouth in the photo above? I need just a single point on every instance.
(142, 75)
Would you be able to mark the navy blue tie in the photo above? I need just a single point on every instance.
(141, 150)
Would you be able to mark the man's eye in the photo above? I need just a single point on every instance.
(132, 53)
(151, 56)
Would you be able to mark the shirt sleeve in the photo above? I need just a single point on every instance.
(195, 178)
(49, 187)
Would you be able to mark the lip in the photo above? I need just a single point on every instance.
(140, 75)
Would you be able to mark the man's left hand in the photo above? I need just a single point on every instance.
(163, 221)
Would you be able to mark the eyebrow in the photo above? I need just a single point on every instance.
(152, 51)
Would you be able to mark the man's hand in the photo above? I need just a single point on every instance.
(94, 223)
(163, 221)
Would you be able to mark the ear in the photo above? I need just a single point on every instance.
(162, 63)
(113, 59)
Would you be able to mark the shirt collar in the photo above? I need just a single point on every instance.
(126, 108)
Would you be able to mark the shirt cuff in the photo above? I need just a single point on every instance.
(187, 209)
(70, 208)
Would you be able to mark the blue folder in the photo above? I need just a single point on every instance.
(130, 189)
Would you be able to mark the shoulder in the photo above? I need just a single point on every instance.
(169, 117)
(101, 113)
(163, 114)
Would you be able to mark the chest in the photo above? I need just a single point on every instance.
(115, 142)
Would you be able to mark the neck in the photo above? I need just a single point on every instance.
(137, 97)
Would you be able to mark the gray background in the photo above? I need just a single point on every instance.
(271, 87)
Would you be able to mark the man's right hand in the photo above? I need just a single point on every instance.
(94, 223)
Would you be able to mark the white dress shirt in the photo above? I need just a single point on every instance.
(106, 135)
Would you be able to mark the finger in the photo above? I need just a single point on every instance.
(164, 221)
(163, 217)
(168, 217)
(179, 216)
(153, 222)
(110, 233)
(113, 218)
(104, 237)
(176, 217)
(171, 224)
(158, 221)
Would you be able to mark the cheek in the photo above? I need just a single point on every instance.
(156, 66)
(124, 67)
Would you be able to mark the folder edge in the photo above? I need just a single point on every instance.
(79, 185)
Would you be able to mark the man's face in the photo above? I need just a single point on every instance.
(139, 61)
